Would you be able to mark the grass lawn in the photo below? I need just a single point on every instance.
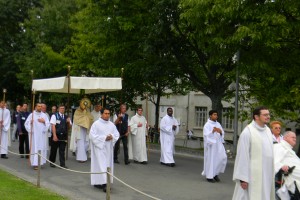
(14, 188)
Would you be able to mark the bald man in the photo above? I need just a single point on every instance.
(285, 158)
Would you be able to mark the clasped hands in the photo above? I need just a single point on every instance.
(109, 137)
(174, 127)
(218, 130)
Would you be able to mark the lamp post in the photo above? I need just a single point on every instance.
(68, 110)
(4, 92)
(236, 104)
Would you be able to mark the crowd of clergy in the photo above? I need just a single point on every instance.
(261, 151)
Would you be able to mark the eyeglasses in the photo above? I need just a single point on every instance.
(266, 115)
(277, 127)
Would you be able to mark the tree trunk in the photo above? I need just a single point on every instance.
(157, 111)
(216, 104)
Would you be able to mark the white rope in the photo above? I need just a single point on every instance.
(133, 187)
(81, 172)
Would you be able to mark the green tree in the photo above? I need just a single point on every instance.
(271, 73)
(12, 16)
(46, 35)
(110, 37)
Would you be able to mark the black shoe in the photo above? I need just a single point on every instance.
(4, 157)
(51, 165)
(64, 166)
(73, 154)
(127, 162)
(27, 157)
(21, 156)
(104, 188)
(169, 164)
(163, 163)
(210, 180)
(136, 161)
(116, 161)
(97, 186)
(144, 163)
(100, 186)
(217, 179)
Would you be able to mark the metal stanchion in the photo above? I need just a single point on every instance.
(108, 184)
(38, 184)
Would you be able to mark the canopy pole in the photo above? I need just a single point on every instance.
(31, 129)
(147, 126)
(4, 92)
(31, 124)
(122, 79)
(68, 111)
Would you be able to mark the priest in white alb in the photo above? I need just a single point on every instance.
(215, 158)
(137, 149)
(37, 125)
(96, 112)
(286, 158)
(168, 129)
(79, 138)
(254, 164)
(4, 126)
(103, 136)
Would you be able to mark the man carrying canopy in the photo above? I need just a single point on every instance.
(4, 126)
(37, 124)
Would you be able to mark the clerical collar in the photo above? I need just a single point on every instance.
(104, 120)
(262, 128)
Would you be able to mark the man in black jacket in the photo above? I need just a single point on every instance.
(122, 121)
(23, 134)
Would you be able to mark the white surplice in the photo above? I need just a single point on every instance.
(48, 132)
(5, 117)
(79, 142)
(254, 164)
(137, 149)
(167, 138)
(215, 158)
(96, 115)
(37, 136)
(284, 155)
(102, 151)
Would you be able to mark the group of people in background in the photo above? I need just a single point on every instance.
(261, 152)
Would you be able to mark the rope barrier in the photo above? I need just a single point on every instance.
(82, 172)
(133, 187)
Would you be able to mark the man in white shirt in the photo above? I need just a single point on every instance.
(96, 112)
(103, 136)
(60, 123)
(285, 158)
(4, 126)
(137, 139)
(37, 124)
(168, 129)
(215, 157)
(254, 163)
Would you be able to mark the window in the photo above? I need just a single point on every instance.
(227, 118)
(201, 116)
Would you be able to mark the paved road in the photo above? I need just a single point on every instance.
(183, 182)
